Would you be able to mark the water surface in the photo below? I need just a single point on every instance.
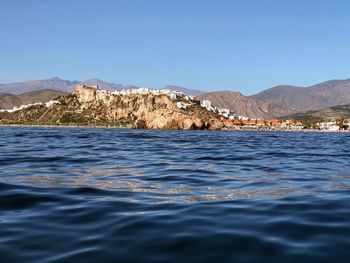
(120, 195)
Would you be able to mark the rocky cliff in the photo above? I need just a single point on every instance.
(90, 106)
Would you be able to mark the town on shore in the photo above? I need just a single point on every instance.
(221, 118)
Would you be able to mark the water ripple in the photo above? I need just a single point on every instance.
(107, 195)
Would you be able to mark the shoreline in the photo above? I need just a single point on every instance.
(63, 126)
(126, 127)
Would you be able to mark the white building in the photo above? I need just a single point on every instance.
(173, 96)
(243, 118)
(206, 104)
(329, 126)
(22, 107)
(182, 105)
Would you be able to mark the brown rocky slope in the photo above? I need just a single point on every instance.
(244, 106)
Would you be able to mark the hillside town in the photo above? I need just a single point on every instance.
(227, 119)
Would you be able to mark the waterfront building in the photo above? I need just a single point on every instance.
(328, 126)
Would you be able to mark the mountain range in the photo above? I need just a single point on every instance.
(284, 99)
(69, 85)
(34, 85)
(274, 102)
(316, 97)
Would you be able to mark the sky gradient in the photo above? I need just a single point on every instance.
(238, 45)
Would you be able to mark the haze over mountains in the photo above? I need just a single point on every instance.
(33, 85)
(274, 102)
(69, 85)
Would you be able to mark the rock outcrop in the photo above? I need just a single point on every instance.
(143, 110)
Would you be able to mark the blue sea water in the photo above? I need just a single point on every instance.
(120, 195)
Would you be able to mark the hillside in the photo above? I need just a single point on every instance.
(8, 101)
(244, 106)
(328, 114)
(316, 97)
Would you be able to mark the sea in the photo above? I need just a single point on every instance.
(124, 195)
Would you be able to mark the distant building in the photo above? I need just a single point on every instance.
(165, 91)
(329, 126)
(81, 87)
(182, 105)
(173, 96)
(93, 87)
(206, 104)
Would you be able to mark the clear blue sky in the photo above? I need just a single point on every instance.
(241, 45)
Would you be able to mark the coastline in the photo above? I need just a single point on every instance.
(130, 127)
(64, 126)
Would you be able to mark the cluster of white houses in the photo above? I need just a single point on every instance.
(330, 126)
(22, 107)
(227, 113)
(173, 94)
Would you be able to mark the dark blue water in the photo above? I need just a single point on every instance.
(114, 195)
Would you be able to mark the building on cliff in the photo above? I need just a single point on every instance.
(81, 87)
(226, 113)
(206, 104)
